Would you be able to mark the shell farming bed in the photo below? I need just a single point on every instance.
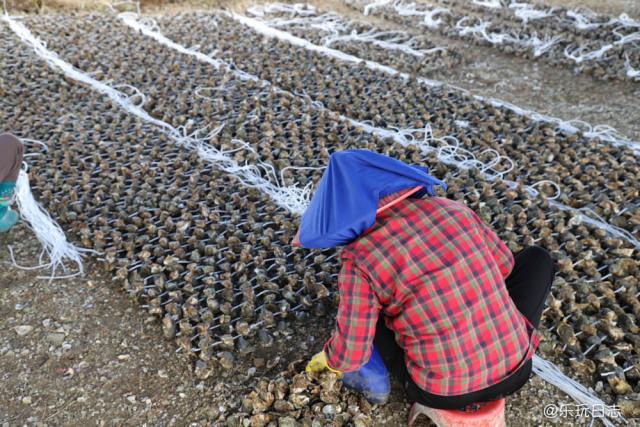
(602, 46)
(183, 149)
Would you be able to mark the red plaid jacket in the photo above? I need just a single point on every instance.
(437, 273)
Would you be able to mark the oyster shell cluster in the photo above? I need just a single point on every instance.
(211, 258)
(602, 46)
(293, 399)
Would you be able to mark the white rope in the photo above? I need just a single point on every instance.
(625, 21)
(578, 56)
(293, 199)
(541, 46)
(480, 29)
(397, 41)
(490, 4)
(553, 375)
(526, 12)
(338, 29)
(583, 22)
(429, 19)
(327, 22)
(631, 72)
(374, 5)
(54, 242)
(147, 28)
(555, 186)
(589, 217)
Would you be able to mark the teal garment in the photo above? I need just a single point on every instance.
(6, 192)
(7, 217)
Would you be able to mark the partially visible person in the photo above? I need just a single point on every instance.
(11, 153)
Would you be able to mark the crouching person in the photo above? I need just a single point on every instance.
(11, 153)
(428, 292)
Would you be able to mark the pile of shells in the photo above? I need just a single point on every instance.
(211, 258)
(292, 399)
(602, 46)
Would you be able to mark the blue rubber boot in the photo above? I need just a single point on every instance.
(372, 380)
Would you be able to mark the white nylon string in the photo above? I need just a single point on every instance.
(338, 28)
(388, 40)
(55, 246)
(429, 19)
(526, 12)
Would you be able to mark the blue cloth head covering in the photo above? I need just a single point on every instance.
(345, 203)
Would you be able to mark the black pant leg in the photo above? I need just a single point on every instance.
(497, 391)
(530, 281)
(385, 341)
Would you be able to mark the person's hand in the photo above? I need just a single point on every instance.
(318, 363)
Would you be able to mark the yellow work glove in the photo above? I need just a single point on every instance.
(318, 363)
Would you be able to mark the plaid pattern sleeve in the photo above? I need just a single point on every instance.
(349, 348)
